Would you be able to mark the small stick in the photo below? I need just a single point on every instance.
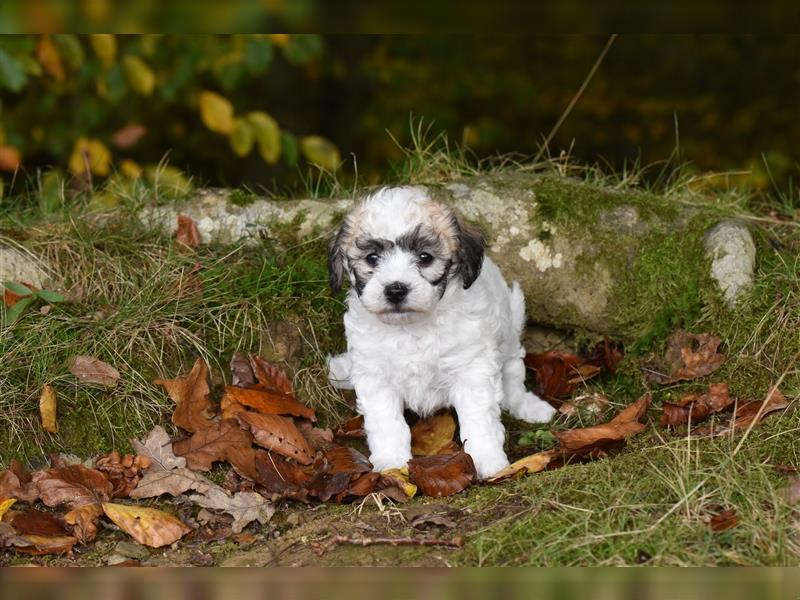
(320, 549)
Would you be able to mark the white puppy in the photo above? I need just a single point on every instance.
(430, 324)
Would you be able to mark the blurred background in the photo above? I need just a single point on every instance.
(262, 110)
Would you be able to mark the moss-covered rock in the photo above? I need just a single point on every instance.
(624, 262)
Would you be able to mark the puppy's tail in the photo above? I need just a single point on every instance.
(517, 300)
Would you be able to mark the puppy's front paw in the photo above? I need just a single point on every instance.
(382, 463)
(534, 410)
(488, 463)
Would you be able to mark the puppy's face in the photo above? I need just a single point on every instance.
(400, 251)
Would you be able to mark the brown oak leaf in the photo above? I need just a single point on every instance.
(93, 370)
(210, 445)
(688, 356)
(278, 434)
(696, 407)
(73, 486)
(443, 474)
(191, 394)
(268, 402)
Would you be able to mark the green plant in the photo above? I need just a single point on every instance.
(27, 296)
(101, 106)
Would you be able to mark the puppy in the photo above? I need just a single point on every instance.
(430, 324)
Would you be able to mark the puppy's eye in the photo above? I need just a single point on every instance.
(372, 259)
(425, 259)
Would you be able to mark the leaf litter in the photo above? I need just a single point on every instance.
(276, 452)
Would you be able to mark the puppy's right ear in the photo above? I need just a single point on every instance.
(336, 257)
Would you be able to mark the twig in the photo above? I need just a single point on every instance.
(320, 549)
(575, 98)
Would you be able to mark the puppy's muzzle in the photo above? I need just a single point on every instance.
(395, 292)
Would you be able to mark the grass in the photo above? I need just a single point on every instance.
(133, 302)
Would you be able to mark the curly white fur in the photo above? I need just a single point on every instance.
(450, 342)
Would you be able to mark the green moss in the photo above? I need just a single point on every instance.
(572, 202)
(240, 197)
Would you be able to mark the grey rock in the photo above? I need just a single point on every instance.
(18, 264)
(730, 248)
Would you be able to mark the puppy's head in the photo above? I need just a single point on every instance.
(400, 250)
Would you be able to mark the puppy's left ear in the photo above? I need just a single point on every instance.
(336, 258)
(470, 252)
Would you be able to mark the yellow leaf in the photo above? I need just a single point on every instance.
(105, 48)
(148, 526)
(530, 464)
(5, 505)
(140, 76)
(48, 57)
(47, 409)
(90, 153)
(130, 168)
(320, 151)
(400, 479)
(216, 112)
(241, 138)
(267, 134)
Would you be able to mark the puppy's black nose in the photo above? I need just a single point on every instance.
(395, 292)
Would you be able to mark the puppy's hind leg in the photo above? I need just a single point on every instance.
(521, 403)
(339, 368)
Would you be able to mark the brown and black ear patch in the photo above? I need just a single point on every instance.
(336, 256)
(470, 251)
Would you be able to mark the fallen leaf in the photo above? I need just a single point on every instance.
(688, 356)
(11, 297)
(93, 370)
(607, 355)
(37, 522)
(270, 376)
(5, 505)
(123, 471)
(73, 486)
(269, 402)
(209, 445)
(174, 482)
(443, 474)
(278, 434)
(244, 507)
(696, 407)
(16, 482)
(559, 373)
(724, 520)
(228, 407)
(320, 439)
(191, 393)
(340, 467)
(352, 428)
(624, 425)
(38, 545)
(47, 409)
(187, 234)
(276, 474)
(748, 414)
(430, 435)
(241, 372)
(529, 464)
(396, 484)
(148, 526)
(158, 448)
(83, 521)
